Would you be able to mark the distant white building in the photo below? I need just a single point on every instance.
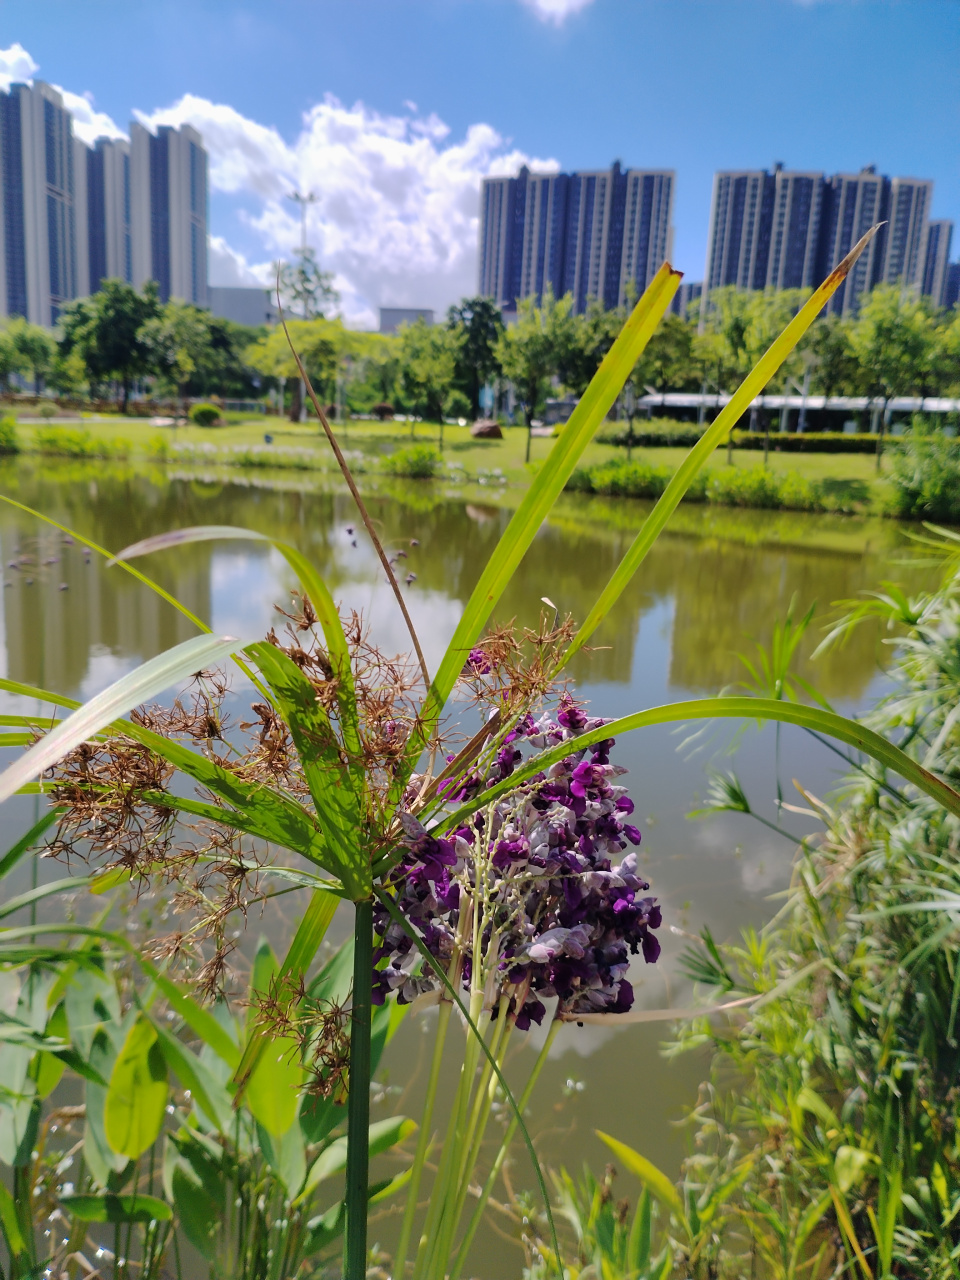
(251, 306)
(391, 318)
(168, 175)
(109, 227)
(43, 204)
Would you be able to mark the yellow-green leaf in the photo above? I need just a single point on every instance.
(137, 1093)
(653, 1178)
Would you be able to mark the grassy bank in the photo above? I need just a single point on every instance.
(805, 481)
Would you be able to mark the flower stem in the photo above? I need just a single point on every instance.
(504, 1147)
(423, 1142)
(358, 1102)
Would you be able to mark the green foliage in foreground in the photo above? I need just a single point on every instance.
(9, 438)
(75, 442)
(925, 475)
(729, 487)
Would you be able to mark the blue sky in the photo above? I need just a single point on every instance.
(413, 100)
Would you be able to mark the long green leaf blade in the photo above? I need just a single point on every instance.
(553, 475)
(126, 693)
(751, 386)
(826, 722)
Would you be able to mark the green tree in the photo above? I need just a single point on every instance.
(321, 345)
(36, 347)
(530, 351)
(11, 358)
(105, 330)
(178, 343)
(305, 289)
(581, 342)
(893, 340)
(428, 366)
(667, 362)
(836, 370)
(480, 324)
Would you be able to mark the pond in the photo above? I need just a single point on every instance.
(715, 584)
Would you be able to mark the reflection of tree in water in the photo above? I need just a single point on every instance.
(726, 594)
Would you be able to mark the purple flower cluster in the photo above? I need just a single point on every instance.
(561, 906)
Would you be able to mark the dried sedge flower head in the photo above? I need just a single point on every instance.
(316, 1029)
(546, 866)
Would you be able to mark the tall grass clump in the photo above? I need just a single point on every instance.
(9, 436)
(488, 870)
(416, 461)
(924, 475)
(728, 486)
(75, 442)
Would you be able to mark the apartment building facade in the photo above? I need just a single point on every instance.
(72, 216)
(595, 234)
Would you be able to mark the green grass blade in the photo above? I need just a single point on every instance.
(41, 695)
(546, 488)
(441, 973)
(335, 783)
(122, 696)
(652, 1178)
(108, 555)
(751, 387)
(826, 722)
(27, 841)
(313, 583)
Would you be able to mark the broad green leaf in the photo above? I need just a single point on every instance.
(126, 693)
(273, 1089)
(19, 1123)
(286, 1156)
(198, 1193)
(117, 1209)
(546, 488)
(137, 1094)
(306, 941)
(653, 1179)
(383, 1135)
(50, 1068)
(209, 1095)
(811, 1101)
(12, 1233)
(826, 722)
(335, 782)
(849, 1166)
(718, 430)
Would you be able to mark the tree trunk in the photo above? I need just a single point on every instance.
(125, 395)
(295, 400)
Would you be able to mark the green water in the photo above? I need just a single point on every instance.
(713, 585)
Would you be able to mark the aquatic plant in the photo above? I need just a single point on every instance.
(349, 752)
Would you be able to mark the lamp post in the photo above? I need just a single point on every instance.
(302, 200)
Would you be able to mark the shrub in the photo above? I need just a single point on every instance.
(382, 411)
(457, 405)
(205, 415)
(729, 487)
(418, 462)
(655, 434)
(73, 442)
(9, 439)
(925, 476)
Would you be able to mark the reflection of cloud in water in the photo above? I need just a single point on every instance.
(764, 863)
(103, 668)
(244, 586)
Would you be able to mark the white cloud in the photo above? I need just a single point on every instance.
(17, 66)
(396, 218)
(88, 123)
(556, 11)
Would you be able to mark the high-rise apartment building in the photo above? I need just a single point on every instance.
(789, 229)
(43, 202)
(109, 229)
(72, 216)
(936, 258)
(854, 202)
(594, 234)
(168, 173)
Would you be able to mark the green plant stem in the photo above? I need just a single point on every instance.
(504, 1147)
(423, 1142)
(481, 1114)
(430, 1237)
(358, 1103)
